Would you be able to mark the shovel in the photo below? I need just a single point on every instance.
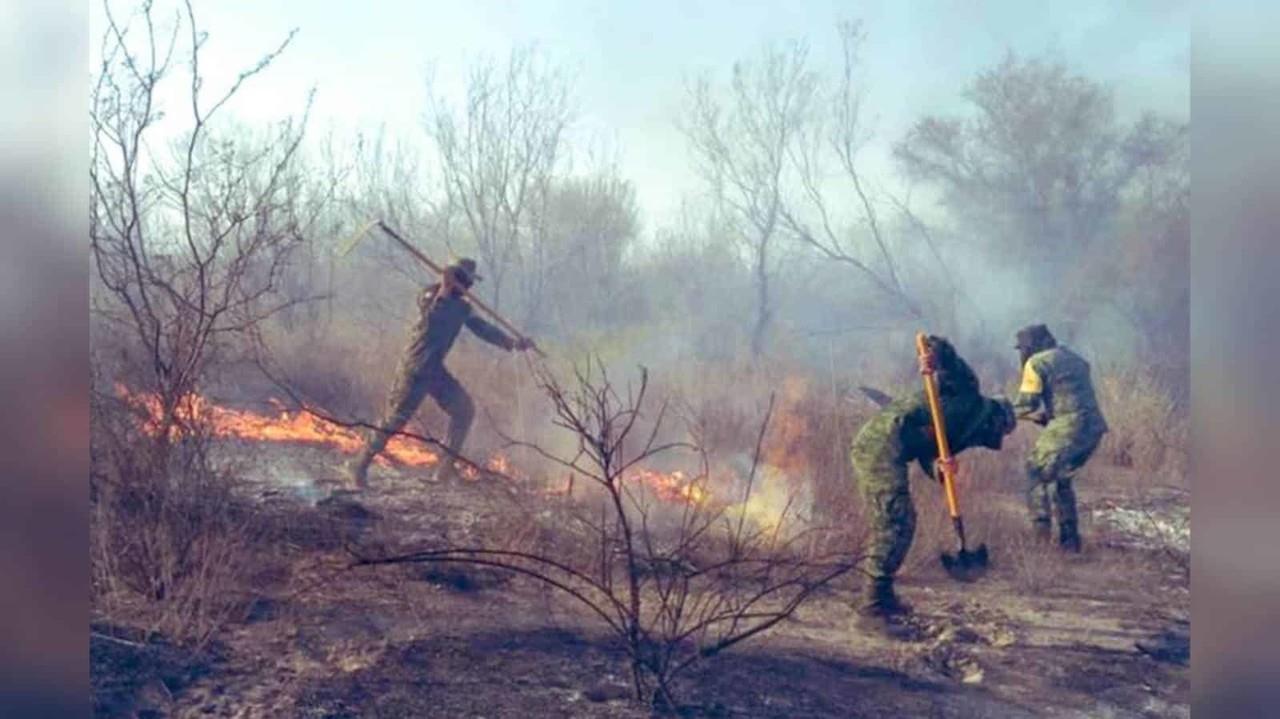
(964, 565)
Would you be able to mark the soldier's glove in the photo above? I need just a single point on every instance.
(928, 362)
(941, 465)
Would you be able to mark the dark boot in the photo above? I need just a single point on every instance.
(878, 597)
(880, 611)
(1043, 531)
(1069, 537)
(358, 471)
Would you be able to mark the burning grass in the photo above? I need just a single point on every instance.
(283, 425)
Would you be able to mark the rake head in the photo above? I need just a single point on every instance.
(355, 239)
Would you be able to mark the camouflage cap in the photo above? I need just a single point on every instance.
(1035, 338)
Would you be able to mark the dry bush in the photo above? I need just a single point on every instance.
(191, 241)
(1035, 567)
(675, 585)
(170, 545)
(1149, 431)
(808, 440)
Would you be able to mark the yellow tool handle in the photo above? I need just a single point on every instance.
(440, 271)
(946, 464)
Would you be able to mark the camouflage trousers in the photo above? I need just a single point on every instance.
(887, 509)
(410, 389)
(1057, 456)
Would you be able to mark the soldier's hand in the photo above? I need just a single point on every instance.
(944, 468)
(523, 344)
(928, 363)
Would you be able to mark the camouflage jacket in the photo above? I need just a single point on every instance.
(1056, 386)
(440, 319)
(902, 431)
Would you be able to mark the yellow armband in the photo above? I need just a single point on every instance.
(1031, 382)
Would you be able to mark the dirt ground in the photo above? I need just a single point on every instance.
(1102, 634)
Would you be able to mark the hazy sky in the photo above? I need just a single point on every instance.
(629, 60)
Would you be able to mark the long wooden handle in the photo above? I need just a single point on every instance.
(945, 462)
(474, 300)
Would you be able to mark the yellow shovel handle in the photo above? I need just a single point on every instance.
(946, 463)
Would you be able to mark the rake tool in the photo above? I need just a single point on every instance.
(964, 565)
(418, 254)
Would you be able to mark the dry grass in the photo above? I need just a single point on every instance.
(1149, 433)
(171, 547)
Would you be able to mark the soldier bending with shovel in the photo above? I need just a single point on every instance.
(900, 433)
(444, 310)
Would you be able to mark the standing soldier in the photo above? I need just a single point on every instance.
(900, 433)
(1056, 393)
(443, 311)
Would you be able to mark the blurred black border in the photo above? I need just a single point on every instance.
(44, 597)
(1235, 150)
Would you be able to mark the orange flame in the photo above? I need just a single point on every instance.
(283, 426)
(673, 487)
(304, 428)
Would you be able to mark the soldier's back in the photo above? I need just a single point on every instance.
(437, 327)
(1068, 383)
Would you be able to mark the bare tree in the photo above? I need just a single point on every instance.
(836, 133)
(1151, 284)
(591, 223)
(1039, 171)
(741, 147)
(674, 587)
(188, 249)
(498, 155)
(783, 160)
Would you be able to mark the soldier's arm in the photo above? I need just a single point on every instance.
(1030, 400)
(490, 333)
(926, 465)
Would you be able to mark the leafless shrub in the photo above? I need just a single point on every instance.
(170, 546)
(1147, 433)
(676, 586)
(1036, 566)
(189, 249)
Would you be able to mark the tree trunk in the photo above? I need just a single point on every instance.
(763, 311)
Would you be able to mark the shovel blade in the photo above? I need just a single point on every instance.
(966, 566)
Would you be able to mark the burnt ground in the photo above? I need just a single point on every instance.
(1040, 635)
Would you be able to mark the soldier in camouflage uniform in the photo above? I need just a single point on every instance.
(444, 310)
(900, 433)
(1057, 393)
